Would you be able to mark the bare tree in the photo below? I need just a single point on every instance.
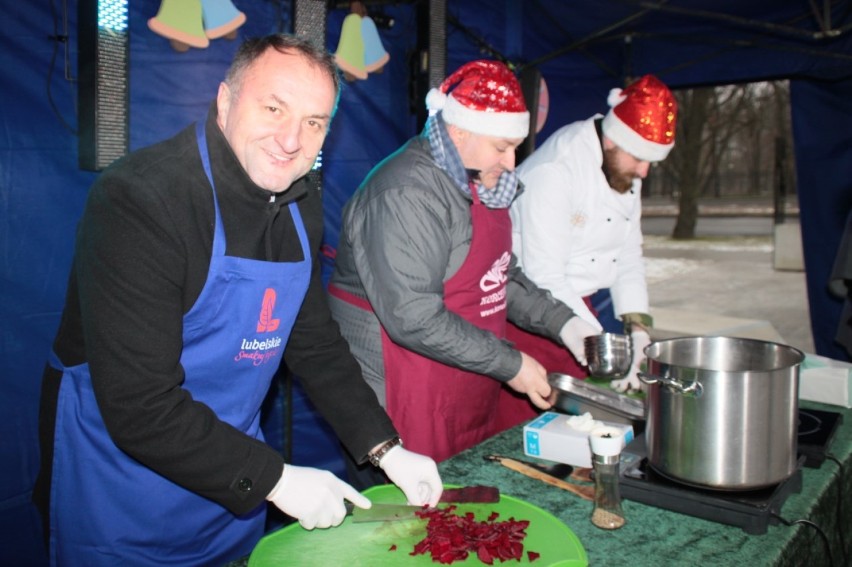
(725, 145)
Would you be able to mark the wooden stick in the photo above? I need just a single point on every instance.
(586, 492)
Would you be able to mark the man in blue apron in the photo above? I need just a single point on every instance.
(194, 278)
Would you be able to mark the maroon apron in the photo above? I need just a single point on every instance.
(555, 357)
(440, 410)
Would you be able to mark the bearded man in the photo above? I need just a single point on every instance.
(576, 227)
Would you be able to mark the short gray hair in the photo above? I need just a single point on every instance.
(251, 49)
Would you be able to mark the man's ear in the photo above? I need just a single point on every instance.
(223, 103)
(457, 134)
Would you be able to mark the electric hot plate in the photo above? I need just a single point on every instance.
(752, 510)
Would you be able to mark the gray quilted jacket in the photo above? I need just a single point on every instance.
(404, 233)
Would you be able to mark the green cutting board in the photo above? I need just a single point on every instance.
(369, 544)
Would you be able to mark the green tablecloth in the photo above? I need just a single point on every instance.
(654, 536)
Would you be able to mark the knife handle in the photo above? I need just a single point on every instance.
(585, 492)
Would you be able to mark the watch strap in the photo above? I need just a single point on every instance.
(376, 456)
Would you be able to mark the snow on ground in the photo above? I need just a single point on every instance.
(660, 269)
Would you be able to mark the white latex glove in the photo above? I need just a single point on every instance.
(631, 381)
(314, 496)
(415, 474)
(574, 333)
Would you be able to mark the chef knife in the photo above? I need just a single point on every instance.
(381, 512)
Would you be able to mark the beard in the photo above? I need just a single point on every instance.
(619, 180)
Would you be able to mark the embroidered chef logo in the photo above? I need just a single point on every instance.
(494, 281)
(260, 351)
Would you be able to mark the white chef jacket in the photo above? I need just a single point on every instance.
(572, 233)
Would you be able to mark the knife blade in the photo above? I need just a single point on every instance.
(381, 512)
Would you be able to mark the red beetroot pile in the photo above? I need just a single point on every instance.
(451, 537)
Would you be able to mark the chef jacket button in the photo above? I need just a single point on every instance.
(608, 219)
(245, 485)
(593, 259)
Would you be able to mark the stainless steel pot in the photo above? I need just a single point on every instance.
(722, 411)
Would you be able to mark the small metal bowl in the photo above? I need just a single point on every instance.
(608, 355)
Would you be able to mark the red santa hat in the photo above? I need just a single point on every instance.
(482, 97)
(641, 120)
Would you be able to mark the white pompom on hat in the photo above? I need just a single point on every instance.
(483, 97)
(642, 119)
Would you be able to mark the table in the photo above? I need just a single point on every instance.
(654, 536)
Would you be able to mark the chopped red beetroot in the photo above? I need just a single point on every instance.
(451, 537)
(392, 547)
(532, 555)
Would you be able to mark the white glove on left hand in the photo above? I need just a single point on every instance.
(631, 382)
(415, 474)
(314, 497)
(574, 333)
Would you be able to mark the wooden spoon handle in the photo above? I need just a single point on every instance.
(586, 492)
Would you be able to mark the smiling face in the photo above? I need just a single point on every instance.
(489, 155)
(277, 116)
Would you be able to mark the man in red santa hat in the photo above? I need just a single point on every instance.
(425, 278)
(576, 228)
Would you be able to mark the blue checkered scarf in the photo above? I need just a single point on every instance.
(447, 157)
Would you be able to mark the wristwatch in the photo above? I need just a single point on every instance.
(377, 455)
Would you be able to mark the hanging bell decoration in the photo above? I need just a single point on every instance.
(350, 50)
(375, 56)
(221, 19)
(180, 22)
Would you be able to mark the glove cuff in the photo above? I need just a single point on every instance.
(637, 321)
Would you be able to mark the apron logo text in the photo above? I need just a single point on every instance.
(494, 297)
(259, 352)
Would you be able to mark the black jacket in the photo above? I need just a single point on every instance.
(142, 255)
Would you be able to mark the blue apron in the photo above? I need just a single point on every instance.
(107, 508)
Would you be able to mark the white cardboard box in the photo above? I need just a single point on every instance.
(826, 380)
(551, 437)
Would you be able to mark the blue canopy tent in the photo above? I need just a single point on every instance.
(581, 47)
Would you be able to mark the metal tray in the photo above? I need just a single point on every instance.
(577, 397)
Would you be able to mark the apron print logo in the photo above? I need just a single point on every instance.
(261, 351)
(496, 275)
(265, 322)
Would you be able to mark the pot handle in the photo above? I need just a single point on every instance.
(694, 389)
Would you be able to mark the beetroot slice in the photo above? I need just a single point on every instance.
(451, 537)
